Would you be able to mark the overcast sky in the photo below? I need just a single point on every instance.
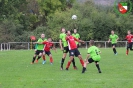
(103, 2)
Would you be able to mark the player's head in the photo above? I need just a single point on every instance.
(91, 43)
(112, 32)
(63, 30)
(50, 39)
(68, 33)
(75, 30)
(42, 36)
(128, 32)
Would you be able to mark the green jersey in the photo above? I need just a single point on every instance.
(94, 53)
(113, 38)
(40, 46)
(77, 36)
(63, 38)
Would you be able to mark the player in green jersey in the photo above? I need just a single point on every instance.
(64, 48)
(93, 55)
(39, 49)
(113, 38)
(77, 36)
(43, 55)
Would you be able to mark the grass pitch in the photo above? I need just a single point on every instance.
(17, 72)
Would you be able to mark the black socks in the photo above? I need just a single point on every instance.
(114, 50)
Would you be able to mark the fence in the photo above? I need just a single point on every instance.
(27, 45)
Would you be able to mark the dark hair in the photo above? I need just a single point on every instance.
(62, 28)
(129, 30)
(92, 42)
(75, 29)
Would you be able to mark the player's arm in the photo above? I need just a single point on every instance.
(60, 42)
(132, 36)
(125, 38)
(99, 51)
(40, 42)
(81, 41)
(109, 40)
(117, 38)
(53, 47)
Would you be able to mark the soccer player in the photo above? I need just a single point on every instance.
(64, 48)
(39, 49)
(113, 38)
(43, 52)
(48, 44)
(77, 36)
(129, 38)
(73, 51)
(93, 55)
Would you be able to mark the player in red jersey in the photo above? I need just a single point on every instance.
(48, 44)
(73, 51)
(129, 38)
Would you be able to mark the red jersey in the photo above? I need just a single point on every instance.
(48, 45)
(129, 38)
(71, 42)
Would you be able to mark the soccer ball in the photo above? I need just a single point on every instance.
(74, 17)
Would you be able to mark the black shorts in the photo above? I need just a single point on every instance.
(74, 52)
(66, 49)
(47, 52)
(90, 60)
(114, 44)
(129, 45)
(38, 52)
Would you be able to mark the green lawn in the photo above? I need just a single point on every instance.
(17, 72)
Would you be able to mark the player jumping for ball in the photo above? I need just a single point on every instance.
(129, 38)
(93, 55)
(64, 48)
(73, 51)
(113, 38)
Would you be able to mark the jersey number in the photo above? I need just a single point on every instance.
(96, 52)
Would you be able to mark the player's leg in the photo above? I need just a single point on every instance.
(114, 49)
(43, 56)
(90, 60)
(98, 67)
(50, 56)
(127, 51)
(69, 62)
(63, 59)
(77, 54)
(34, 57)
(44, 60)
(39, 56)
(71, 53)
(74, 66)
(73, 61)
